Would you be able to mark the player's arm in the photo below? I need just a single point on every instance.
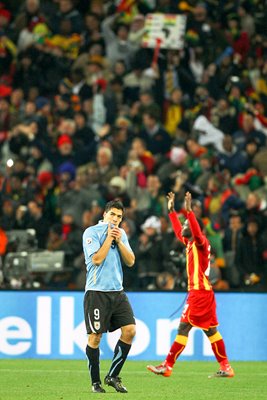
(126, 252)
(195, 229)
(176, 224)
(194, 225)
(101, 254)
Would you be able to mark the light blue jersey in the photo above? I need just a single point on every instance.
(108, 276)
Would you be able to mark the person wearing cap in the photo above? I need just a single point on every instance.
(64, 142)
(149, 254)
(106, 306)
(41, 102)
(66, 152)
(116, 188)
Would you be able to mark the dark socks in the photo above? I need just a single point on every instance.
(93, 363)
(120, 354)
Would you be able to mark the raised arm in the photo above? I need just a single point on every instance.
(176, 224)
(194, 225)
(108, 33)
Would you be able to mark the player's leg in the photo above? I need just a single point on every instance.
(122, 317)
(165, 368)
(92, 353)
(121, 352)
(179, 343)
(122, 349)
(218, 347)
(95, 325)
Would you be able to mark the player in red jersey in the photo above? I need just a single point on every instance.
(200, 308)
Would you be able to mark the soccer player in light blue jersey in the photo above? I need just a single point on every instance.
(106, 306)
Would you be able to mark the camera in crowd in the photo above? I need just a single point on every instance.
(175, 265)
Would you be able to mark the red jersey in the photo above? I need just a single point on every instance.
(197, 253)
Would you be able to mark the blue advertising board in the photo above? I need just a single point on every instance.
(50, 325)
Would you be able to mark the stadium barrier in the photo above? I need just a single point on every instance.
(50, 325)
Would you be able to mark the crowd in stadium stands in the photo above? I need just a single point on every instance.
(87, 114)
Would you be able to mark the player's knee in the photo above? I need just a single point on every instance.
(94, 339)
(211, 331)
(184, 329)
(128, 332)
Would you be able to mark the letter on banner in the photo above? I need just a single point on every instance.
(14, 328)
(43, 325)
(69, 334)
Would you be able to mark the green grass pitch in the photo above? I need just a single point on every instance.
(68, 380)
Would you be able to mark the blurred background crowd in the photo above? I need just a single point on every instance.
(87, 114)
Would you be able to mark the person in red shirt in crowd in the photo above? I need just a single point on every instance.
(200, 307)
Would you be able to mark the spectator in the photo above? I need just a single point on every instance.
(36, 220)
(139, 147)
(247, 132)
(250, 255)
(230, 158)
(149, 200)
(195, 151)
(259, 161)
(120, 143)
(255, 208)
(232, 236)
(116, 188)
(105, 166)
(37, 161)
(149, 253)
(28, 16)
(247, 22)
(176, 164)
(215, 276)
(68, 237)
(7, 216)
(156, 137)
(116, 40)
(48, 196)
(174, 111)
(138, 80)
(67, 12)
(91, 33)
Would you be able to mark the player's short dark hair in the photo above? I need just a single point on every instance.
(116, 203)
